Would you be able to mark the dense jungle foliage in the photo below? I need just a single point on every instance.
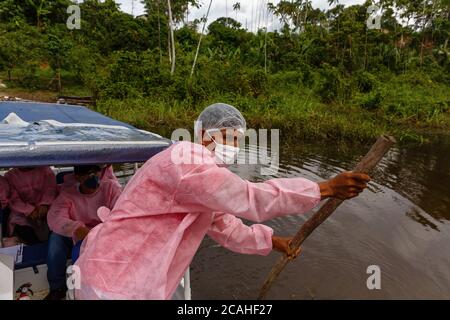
(324, 74)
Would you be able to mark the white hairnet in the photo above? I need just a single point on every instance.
(219, 116)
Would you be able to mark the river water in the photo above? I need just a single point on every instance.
(400, 223)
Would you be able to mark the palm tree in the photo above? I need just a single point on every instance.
(236, 8)
(284, 10)
(331, 2)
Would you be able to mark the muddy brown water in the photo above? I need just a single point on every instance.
(401, 224)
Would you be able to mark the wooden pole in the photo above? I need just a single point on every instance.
(369, 162)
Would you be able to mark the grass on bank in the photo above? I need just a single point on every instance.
(410, 107)
(407, 108)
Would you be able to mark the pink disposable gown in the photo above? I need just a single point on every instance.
(72, 209)
(146, 243)
(4, 192)
(29, 189)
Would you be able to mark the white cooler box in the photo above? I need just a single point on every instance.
(21, 265)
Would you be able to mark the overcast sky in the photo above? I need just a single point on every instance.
(252, 13)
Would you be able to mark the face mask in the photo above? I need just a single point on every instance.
(92, 182)
(225, 153)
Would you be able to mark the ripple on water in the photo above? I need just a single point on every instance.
(400, 223)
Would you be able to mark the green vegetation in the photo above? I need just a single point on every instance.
(324, 75)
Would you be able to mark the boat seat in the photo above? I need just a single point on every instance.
(33, 256)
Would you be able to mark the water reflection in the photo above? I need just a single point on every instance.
(400, 224)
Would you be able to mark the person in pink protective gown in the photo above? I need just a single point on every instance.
(72, 215)
(146, 243)
(4, 192)
(32, 192)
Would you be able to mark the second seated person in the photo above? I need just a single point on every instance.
(71, 216)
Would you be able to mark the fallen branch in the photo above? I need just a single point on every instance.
(369, 162)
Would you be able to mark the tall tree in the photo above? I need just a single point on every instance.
(237, 8)
(176, 13)
(172, 37)
(201, 37)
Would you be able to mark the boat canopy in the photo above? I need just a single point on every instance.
(41, 134)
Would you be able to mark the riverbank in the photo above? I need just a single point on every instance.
(306, 121)
(298, 115)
